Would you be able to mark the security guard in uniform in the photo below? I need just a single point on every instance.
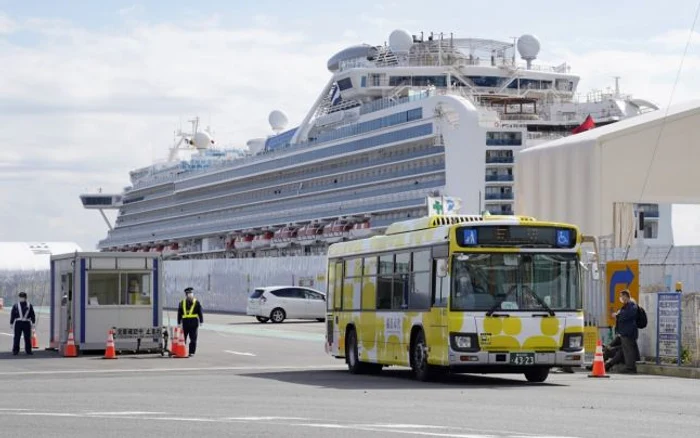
(189, 317)
(22, 319)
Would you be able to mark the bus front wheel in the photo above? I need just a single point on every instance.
(419, 358)
(537, 375)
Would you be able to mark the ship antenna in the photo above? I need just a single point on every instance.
(617, 86)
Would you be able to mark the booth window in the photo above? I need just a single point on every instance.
(103, 289)
(126, 289)
(136, 289)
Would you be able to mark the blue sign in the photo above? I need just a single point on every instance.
(469, 236)
(668, 327)
(563, 238)
(625, 277)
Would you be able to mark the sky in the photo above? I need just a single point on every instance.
(92, 90)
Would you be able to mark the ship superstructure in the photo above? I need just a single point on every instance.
(397, 125)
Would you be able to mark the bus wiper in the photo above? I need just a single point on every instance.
(543, 304)
(496, 306)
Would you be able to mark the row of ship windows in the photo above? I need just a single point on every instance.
(284, 139)
(224, 221)
(504, 138)
(166, 216)
(370, 125)
(331, 151)
(374, 158)
(375, 175)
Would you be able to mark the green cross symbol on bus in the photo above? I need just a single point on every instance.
(437, 205)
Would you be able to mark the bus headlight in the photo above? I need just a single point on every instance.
(573, 341)
(464, 342)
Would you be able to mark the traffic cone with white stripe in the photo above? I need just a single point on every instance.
(35, 340)
(182, 350)
(598, 362)
(110, 351)
(70, 350)
(173, 342)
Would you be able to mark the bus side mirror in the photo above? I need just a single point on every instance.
(441, 267)
(594, 259)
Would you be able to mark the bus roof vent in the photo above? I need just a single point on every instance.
(424, 223)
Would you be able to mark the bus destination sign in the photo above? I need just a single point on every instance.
(516, 235)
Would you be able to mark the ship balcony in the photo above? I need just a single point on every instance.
(500, 160)
(499, 178)
(499, 196)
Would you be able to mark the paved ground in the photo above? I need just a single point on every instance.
(254, 380)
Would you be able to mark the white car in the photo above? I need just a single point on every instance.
(277, 303)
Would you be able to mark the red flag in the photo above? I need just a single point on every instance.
(585, 126)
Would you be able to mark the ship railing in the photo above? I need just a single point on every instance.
(265, 155)
(223, 221)
(429, 174)
(303, 179)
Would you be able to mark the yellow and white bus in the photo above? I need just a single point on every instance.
(471, 294)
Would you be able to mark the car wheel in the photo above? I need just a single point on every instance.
(277, 315)
(262, 319)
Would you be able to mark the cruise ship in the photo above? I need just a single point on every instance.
(425, 123)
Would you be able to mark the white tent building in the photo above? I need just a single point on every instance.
(29, 256)
(598, 179)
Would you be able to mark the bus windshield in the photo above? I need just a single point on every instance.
(515, 281)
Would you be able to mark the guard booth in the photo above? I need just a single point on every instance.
(93, 292)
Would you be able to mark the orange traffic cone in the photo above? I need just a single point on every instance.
(175, 343)
(110, 351)
(70, 350)
(35, 340)
(598, 363)
(183, 345)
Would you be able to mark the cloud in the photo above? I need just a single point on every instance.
(647, 70)
(7, 26)
(81, 108)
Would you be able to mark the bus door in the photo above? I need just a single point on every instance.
(437, 324)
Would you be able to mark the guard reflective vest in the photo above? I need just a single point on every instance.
(24, 317)
(190, 313)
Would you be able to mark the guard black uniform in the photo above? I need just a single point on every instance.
(22, 318)
(189, 316)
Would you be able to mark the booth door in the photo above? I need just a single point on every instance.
(65, 313)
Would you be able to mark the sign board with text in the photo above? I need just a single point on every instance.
(620, 275)
(668, 326)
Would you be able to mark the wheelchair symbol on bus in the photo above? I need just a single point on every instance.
(563, 237)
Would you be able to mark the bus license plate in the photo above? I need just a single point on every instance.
(522, 358)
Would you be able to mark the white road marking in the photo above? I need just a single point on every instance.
(267, 418)
(239, 353)
(400, 429)
(126, 413)
(13, 409)
(6, 334)
(164, 370)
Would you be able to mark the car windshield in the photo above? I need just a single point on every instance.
(523, 281)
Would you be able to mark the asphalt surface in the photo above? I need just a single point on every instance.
(263, 380)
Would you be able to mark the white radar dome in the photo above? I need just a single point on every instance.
(202, 140)
(400, 41)
(256, 145)
(528, 47)
(278, 120)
